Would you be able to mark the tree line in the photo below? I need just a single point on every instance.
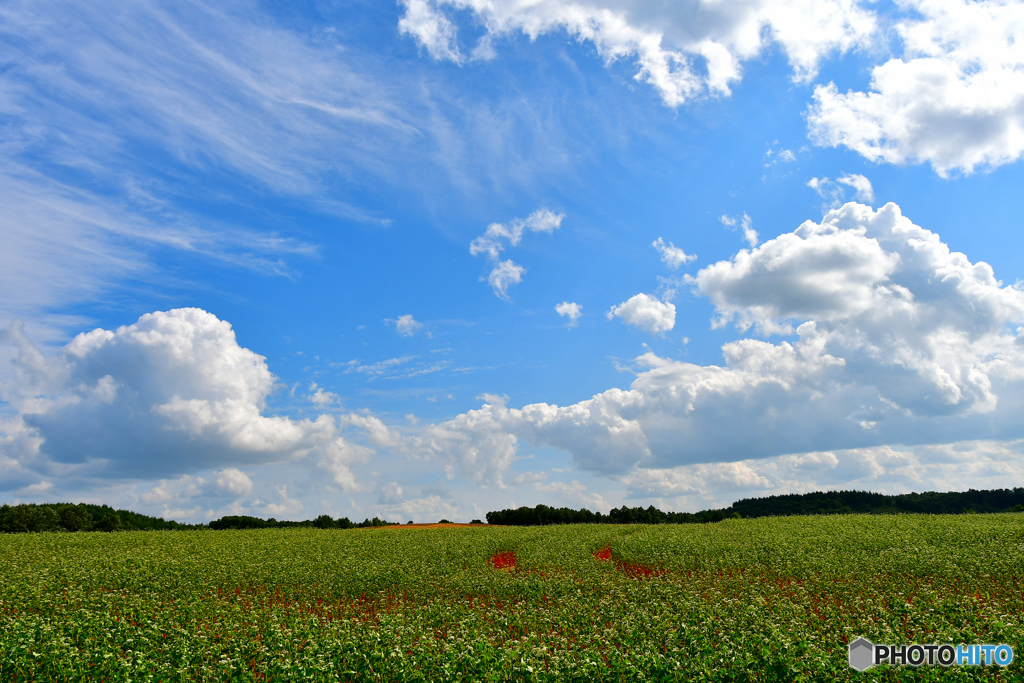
(321, 522)
(31, 517)
(542, 515)
(847, 502)
(816, 503)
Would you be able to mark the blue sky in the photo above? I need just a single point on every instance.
(288, 260)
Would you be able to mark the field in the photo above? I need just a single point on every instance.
(762, 600)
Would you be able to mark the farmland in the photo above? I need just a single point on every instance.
(766, 599)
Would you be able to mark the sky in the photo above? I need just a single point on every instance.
(432, 258)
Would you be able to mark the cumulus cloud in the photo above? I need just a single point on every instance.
(427, 509)
(476, 443)
(646, 312)
(406, 325)
(671, 255)
(684, 50)
(898, 340)
(233, 481)
(569, 310)
(886, 469)
(498, 236)
(954, 99)
(320, 396)
(172, 394)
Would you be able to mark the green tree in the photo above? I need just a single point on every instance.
(109, 523)
(74, 517)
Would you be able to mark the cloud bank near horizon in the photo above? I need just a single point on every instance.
(898, 340)
(899, 349)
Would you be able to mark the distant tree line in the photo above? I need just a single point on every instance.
(82, 517)
(321, 522)
(542, 514)
(31, 517)
(818, 503)
(846, 502)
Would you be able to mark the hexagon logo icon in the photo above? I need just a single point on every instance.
(862, 653)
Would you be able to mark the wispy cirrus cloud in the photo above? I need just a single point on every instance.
(66, 245)
(119, 120)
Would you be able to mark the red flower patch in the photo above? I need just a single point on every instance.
(633, 569)
(506, 560)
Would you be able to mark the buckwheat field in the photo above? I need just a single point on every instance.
(759, 600)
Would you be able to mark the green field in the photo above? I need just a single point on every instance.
(767, 599)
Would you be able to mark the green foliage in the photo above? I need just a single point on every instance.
(930, 502)
(321, 522)
(817, 503)
(74, 517)
(772, 599)
(542, 515)
(30, 517)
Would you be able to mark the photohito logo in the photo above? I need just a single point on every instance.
(864, 654)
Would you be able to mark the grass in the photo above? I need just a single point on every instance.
(759, 600)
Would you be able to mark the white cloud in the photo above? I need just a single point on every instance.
(746, 224)
(492, 242)
(432, 30)
(374, 370)
(955, 99)
(172, 394)
(671, 255)
(782, 156)
(898, 341)
(646, 312)
(834, 195)
(86, 243)
(391, 494)
(827, 190)
(428, 509)
(202, 83)
(885, 469)
(749, 234)
(684, 50)
(233, 481)
(321, 397)
(475, 443)
(286, 508)
(506, 273)
(407, 326)
(569, 310)
(861, 187)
